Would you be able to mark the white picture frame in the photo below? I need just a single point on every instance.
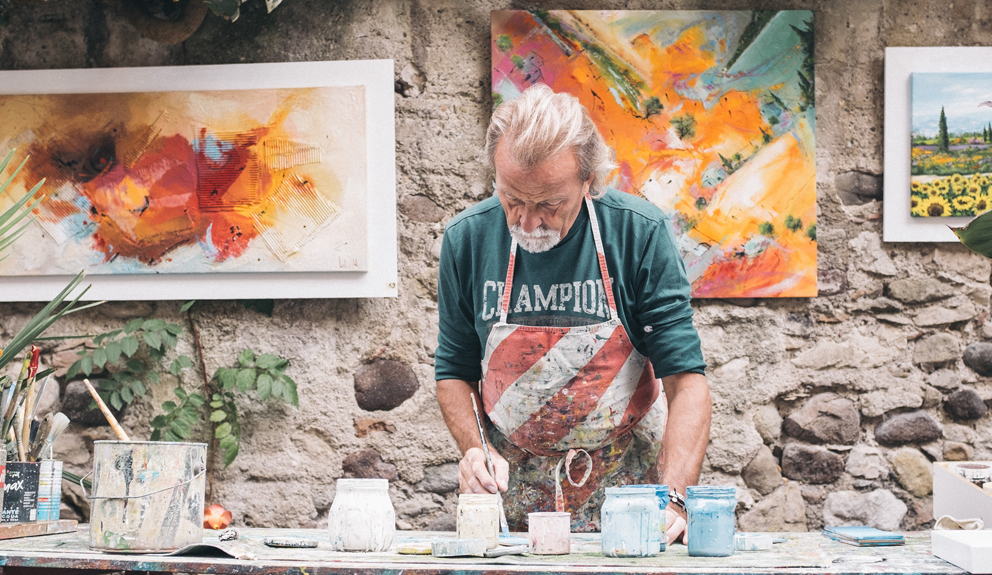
(381, 277)
(900, 63)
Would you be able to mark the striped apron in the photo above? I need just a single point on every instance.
(550, 389)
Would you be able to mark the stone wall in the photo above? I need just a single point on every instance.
(825, 410)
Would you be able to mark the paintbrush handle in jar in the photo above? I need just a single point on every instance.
(106, 412)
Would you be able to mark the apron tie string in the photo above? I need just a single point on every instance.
(567, 461)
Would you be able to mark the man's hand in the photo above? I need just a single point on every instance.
(473, 475)
(676, 525)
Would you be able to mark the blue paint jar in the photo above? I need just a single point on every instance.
(661, 492)
(711, 511)
(630, 522)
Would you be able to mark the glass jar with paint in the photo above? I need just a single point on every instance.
(630, 522)
(362, 516)
(661, 491)
(711, 511)
(478, 517)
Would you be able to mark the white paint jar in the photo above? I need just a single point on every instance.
(550, 533)
(362, 516)
(478, 517)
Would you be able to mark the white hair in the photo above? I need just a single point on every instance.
(539, 124)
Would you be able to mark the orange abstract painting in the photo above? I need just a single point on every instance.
(711, 118)
(191, 182)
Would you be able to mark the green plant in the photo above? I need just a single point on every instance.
(977, 235)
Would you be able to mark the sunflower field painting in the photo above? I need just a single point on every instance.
(711, 117)
(951, 153)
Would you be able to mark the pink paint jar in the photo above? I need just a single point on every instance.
(550, 533)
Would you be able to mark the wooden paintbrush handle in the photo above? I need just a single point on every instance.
(106, 412)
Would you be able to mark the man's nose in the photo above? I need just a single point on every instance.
(529, 221)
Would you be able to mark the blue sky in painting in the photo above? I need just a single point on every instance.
(958, 93)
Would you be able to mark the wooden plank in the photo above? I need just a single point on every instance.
(33, 529)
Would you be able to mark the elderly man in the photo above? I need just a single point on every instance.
(564, 338)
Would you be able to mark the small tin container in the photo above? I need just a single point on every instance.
(362, 516)
(711, 511)
(550, 533)
(977, 473)
(478, 517)
(630, 522)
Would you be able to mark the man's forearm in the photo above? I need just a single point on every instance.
(687, 431)
(453, 395)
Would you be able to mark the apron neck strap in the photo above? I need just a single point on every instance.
(600, 256)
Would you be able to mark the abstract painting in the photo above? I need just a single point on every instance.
(951, 144)
(268, 180)
(711, 117)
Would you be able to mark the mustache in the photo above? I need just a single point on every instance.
(539, 232)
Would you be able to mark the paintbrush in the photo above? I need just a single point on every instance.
(25, 443)
(11, 411)
(22, 440)
(59, 423)
(106, 412)
(37, 397)
(504, 526)
(38, 445)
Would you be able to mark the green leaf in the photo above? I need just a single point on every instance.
(129, 345)
(189, 415)
(107, 385)
(187, 305)
(74, 369)
(264, 386)
(267, 361)
(290, 392)
(168, 339)
(216, 404)
(218, 416)
(153, 339)
(180, 392)
(135, 365)
(977, 235)
(277, 387)
(223, 430)
(113, 351)
(216, 397)
(169, 436)
(156, 354)
(230, 455)
(86, 365)
(138, 387)
(169, 406)
(99, 357)
(99, 338)
(153, 325)
(185, 361)
(196, 400)
(246, 378)
(115, 400)
(126, 395)
(174, 328)
(180, 428)
(228, 378)
(228, 442)
(246, 357)
(159, 421)
(156, 435)
(133, 325)
(153, 377)
(175, 368)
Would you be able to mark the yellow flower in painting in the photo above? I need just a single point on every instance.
(916, 186)
(935, 207)
(918, 210)
(974, 190)
(963, 203)
(982, 204)
(957, 179)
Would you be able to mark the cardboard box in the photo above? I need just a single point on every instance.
(969, 550)
(956, 496)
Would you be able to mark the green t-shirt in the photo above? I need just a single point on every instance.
(563, 286)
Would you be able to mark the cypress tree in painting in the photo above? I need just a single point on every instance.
(942, 140)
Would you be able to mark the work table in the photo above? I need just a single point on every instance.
(802, 553)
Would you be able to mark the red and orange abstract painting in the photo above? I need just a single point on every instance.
(191, 182)
(711, 117)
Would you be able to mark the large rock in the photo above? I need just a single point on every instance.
(958, 432)
(914, 427)
(919, 290)
(811, 464)
(937, 348)
(440, 478)
(945, 380)
(782, 511)
(77, 405)
(368, 464)
(733, 443)
(957, 451)
(965, 403)
(867, 462)
(871, 256)
(913, 470)
(826, 418)
(831, 282)
(768, 423)
(882, 401)
(421, 209)
(855, 188)
(942, 315)
(763, 474)
(856, 351)
(879, 509)
(384, 384)
(978, 356)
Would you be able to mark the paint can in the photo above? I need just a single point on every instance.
(550, 533)
(630, 522)
(147, 496)
(20, 492)
(478, 517)
(362, 516)
(711, 510)
(49, 490)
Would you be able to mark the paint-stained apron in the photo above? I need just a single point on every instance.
(550, 389)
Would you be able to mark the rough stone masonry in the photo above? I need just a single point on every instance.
(827, 409)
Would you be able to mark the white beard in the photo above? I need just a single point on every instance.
(538, 241)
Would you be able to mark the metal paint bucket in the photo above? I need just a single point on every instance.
(147, 496)
(549, 533)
